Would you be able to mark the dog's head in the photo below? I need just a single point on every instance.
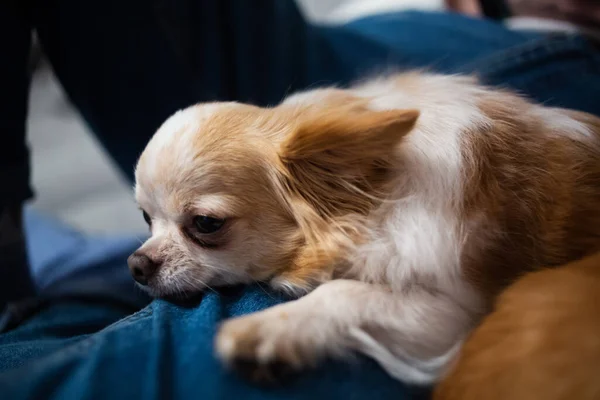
(235, 193)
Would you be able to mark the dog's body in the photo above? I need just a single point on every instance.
(408, 223)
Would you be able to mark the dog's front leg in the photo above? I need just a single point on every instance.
(412, 334)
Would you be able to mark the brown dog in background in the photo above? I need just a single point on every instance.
(542, 341)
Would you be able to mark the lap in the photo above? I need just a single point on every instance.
(81, 345)
(558, 69)
(162, 351)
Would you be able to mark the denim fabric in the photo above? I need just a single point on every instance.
(557, 70)
(66, 264)
(89, 345)
(127, 65)
(160, 352)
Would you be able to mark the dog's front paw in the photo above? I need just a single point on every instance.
(269, 346)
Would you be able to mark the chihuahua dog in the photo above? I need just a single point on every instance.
(400, 207)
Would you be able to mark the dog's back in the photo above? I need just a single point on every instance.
(535, 175)
(531, 198)
(520, 181)
(542, 340)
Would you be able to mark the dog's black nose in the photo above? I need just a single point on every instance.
(142, 268)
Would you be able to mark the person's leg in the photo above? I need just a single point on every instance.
(558, 70)
(438, 42)
(15, 40)
(128, 65)
(555, 69)
(83, 286)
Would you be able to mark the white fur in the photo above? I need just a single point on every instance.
(558, 123)
(315, 96)
(412, 337)
(418, 236)
(179, 129)
(407, 369)
(213, 204)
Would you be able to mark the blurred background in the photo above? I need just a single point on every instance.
(75, 180)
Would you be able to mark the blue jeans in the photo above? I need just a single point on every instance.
(127, 65)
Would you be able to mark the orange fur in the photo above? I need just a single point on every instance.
(337, 161)
(542, 341)
(539, 192)
(300, 176)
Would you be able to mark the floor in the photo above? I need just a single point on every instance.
(75, 180)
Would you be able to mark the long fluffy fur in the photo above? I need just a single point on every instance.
(403, 206)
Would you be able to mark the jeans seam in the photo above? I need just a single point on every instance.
(516, 56)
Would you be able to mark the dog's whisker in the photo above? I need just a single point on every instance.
(258, 283)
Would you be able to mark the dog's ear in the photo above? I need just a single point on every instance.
(338, 158)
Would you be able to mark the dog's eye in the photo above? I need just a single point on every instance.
(206, 225)
(147, 217)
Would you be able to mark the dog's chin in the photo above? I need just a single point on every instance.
(187, 297)
(184, 299)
